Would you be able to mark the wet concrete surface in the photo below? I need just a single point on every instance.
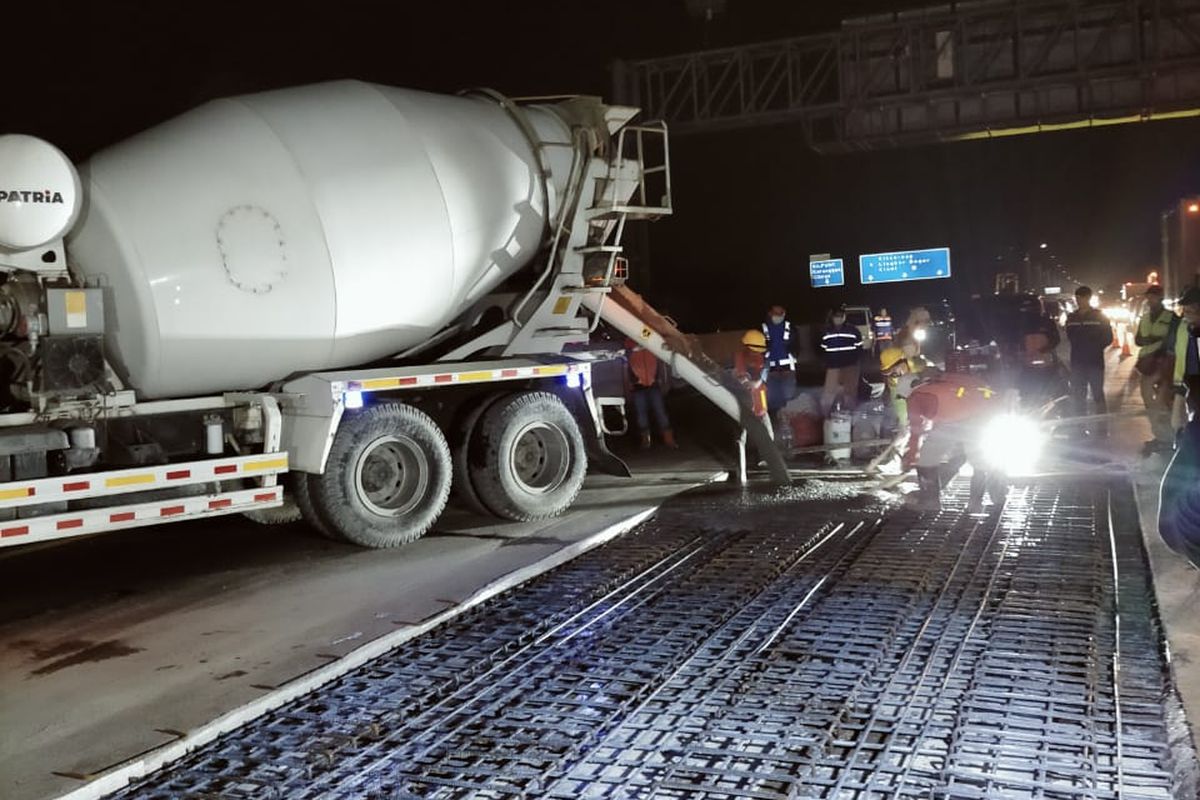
(1176, 581)
(117, 644)
(801, 642)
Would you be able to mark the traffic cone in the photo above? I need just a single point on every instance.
(1125, 351)
(1116, 338)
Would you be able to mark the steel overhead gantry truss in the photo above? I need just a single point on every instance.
(957, 71)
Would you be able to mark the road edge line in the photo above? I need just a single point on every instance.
(119, 777)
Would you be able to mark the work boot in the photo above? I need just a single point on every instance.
(978, 489)
(645, 443)
(997, 489)
(1154, 446)
(929, 489)
(669, 439)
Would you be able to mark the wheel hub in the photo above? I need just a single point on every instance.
(392, 475)
(540, 458)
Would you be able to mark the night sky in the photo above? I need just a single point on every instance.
(751, 205)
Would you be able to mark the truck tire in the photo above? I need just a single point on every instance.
(298, 484)
(463, 492)
(528, 459)
(387, 478)
(285, 514)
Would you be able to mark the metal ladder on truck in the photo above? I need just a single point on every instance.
(613, 179)
(631, 186)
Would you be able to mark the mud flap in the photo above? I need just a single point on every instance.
(600, 458)
(1179, 498)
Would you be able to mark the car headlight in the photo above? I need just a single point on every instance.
(1012, 443)
(920, 334)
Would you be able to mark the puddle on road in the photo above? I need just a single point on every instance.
(79, 652)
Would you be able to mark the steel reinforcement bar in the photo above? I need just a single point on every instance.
(742, 646)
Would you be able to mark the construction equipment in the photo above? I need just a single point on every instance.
(384, 292)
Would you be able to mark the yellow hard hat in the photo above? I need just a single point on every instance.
(755, 341)
(890, 357)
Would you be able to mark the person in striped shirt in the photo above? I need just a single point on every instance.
(841, 351)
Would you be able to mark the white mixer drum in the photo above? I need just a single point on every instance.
(309, 228)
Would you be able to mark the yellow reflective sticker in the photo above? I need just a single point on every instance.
(274, 463)
(76, 309)
(130, 480)
(381, 383)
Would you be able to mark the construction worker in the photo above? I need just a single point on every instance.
(1155, 368)
(750, 369)
(946, 413)
(781, 360)
(914, 364)
(1090, 334)
(889, 357)
(883, 329)
(1187, 359)
(646, 376)
(841, 350)
(1178, 522)
(1041, 373)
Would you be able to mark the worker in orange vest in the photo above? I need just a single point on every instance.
(646, 378)
(945, 415)
(750, 369)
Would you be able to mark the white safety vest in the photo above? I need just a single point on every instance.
(790, 361)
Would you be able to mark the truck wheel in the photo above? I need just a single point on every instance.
(387, 478)
(464, 433)
(528, 459)
(285, 514)
(298, 485)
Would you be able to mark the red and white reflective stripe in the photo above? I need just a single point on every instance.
(386, 382)
(98, 484)
(98, 520)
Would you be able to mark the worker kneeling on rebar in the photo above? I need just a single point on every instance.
(950, 418)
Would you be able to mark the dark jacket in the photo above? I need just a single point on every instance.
(841, 345)
(1090, 334)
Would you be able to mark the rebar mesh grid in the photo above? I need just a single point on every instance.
(734, 649)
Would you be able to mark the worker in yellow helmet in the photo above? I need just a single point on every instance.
(945, 412)
(889, 358)
(897, 361)
(750, 368)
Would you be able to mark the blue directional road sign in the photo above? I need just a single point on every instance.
(829, 272)
(907, 265)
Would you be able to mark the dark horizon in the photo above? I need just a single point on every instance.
(750, 205)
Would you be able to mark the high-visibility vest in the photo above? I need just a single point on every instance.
(758, 399)
(779, 356)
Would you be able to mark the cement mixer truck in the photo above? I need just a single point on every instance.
(333, 302)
